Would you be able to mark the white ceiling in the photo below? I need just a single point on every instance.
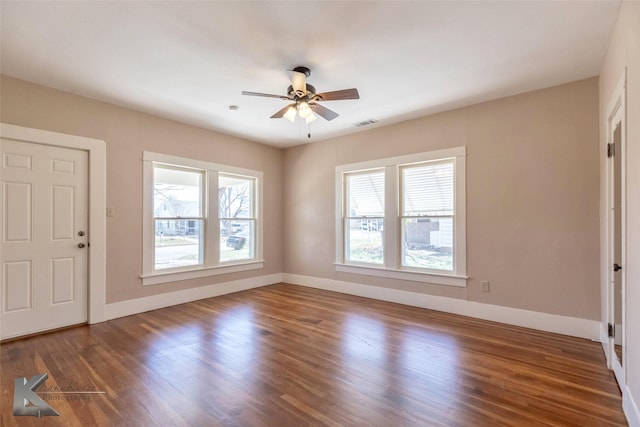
(189, 61)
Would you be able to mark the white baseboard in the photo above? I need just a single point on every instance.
(140, 305)
(583, 328)
(630, 408)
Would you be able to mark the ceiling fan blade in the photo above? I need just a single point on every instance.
(323, 112)
(280, 113)
(266, 95)
(338, 95)
(299, 83)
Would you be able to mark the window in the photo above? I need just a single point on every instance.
(178, 216)
(237, 217)
(427, 215)
(363, 222)
(189, 230)
(404, 217)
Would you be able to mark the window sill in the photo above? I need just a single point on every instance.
(174, 276)
(412, 276)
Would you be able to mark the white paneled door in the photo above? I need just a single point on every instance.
(44, 237)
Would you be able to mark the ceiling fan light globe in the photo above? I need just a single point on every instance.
(290, 114)
(304, 110)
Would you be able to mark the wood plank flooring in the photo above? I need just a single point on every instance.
(287, 355)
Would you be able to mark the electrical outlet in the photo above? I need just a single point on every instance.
(484, 286)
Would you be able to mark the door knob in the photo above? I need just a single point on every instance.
(81, 245)
(617, 267)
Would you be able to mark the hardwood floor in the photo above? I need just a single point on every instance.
(287, 355)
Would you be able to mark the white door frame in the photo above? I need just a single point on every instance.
(97, 204)
(616, 113)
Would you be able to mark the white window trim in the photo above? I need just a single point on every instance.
(211, 266)
(392, 268)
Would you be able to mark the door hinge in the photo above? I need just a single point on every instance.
(611, 330)
(611, 150)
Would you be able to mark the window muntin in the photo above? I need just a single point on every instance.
(364, 217)
(427, 215)
(178, 217)
(236, 212)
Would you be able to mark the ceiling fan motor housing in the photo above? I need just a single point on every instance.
(298, 94)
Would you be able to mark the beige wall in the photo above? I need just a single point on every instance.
(532, 198)
(624, 51)
(127, 134)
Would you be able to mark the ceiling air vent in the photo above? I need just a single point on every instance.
(366, 123)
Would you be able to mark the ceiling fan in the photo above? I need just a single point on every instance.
(305, 99)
